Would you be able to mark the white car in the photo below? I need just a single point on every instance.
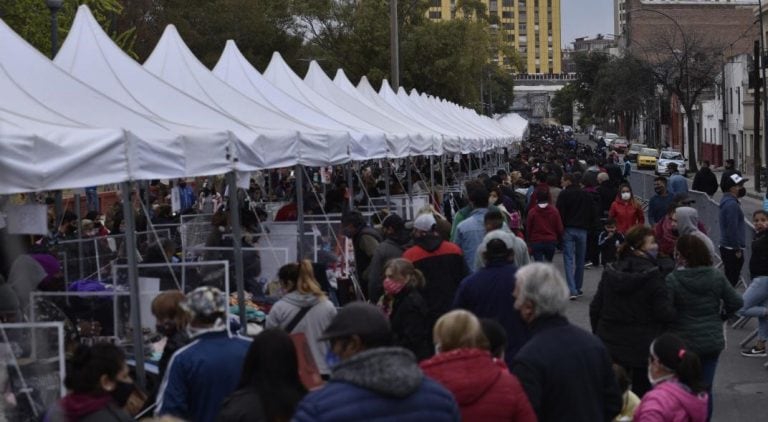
(667, 157)
(609, 137)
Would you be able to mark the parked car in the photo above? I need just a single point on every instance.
(609, 137)
(646, 158)
(634, 149)
(567, 129)
(667, 157)
(619, 145)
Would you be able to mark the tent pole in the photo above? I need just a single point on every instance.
(237, 248)
(350, 187)
(431, 179)
(469, 169)
(300, 208)
(133, 283)
(78, 213)
(58, 205)
(442, 171)
(410, 186)
(387, 177)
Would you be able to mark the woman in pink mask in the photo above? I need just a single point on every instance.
(407, 310)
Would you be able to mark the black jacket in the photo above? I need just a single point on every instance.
(630, 309)
(607, 193)
(410, 323)
(242, 406)
(705, 181)
(576, 208)
(758, 263)
(566, 373)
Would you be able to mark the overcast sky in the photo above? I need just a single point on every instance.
(585, 18)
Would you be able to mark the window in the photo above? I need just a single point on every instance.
(435, 15)
(731, 101)
(508, 26)
(738, 99)
(507, 3)
(436, 3)
(506, 15)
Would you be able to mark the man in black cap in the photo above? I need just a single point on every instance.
(732, 235)
(730, 168)
(372, 380)
(396, 240)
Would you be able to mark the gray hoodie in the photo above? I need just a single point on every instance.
(688, 223)
(312, 325)
(389, 371)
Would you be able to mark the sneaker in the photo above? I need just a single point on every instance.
(754, 353)
(574, 297)
(587, 265)
(580, 294)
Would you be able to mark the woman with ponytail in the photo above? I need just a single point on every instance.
(407, 310)
(678, 391)
(303, 309)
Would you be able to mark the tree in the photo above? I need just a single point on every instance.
(621, 89)
(31, 20)
(562, 103)
(684, 64)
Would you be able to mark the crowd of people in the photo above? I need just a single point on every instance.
(464, 311)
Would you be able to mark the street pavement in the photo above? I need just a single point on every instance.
(741, 384)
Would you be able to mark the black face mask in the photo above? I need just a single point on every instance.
(742, 192)
(658, 190)
(675, 232)
(122, 393)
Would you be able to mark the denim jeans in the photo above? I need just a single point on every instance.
(574, 251)
(708, 367)
(544, 251)
(92, 199)
(756, 304)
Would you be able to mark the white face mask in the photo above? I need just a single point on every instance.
(655, 381)
(626, 195)
(544, 205)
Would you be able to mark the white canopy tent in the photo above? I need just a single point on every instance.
(515, 123)
(173, 62)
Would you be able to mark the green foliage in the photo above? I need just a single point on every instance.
(31, 19)
(562, 103)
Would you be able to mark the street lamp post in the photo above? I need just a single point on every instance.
(394, 45)
(54, 6)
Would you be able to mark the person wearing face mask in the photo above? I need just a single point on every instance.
(565, 371)
(396, 241)
(626, 210)
(99, 387)
(204, 372)
(171, 322)
(371, 380)
(678, 391)
(544, 228)
(632, 306)
(407, 310)
(659, 203)
(732, 231)
(703, 298)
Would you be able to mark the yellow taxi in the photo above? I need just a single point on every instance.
(646, 158)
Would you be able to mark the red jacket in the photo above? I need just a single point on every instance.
(483, 387)
(627, 214)
(544, 225)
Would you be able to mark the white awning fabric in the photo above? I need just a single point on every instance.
(96, 116)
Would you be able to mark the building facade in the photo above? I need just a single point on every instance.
(531, 27)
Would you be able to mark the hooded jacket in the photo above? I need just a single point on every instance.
(697, 293)
(630, 309)
(731, 223)
(688, 223)
(758, 262)
(410, 323)
(381, 384)
(443, 266)
(312, 324)
(626, 213)
(544, 225)
(670, 401)
(392, 247)
(483, 388)
(705, 181)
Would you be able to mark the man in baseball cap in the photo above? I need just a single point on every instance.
(203, 373)
(371, 379)
(733, 239)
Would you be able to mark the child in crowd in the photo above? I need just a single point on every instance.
(608, 241)
(629, 399)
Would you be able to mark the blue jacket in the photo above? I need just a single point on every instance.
(658, 206)
(201, 375)
(488, 294)
(677, 184)
(731, 223)
(382, 384)
(469, 235)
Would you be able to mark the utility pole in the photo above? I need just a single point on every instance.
(758, 173)
(756, 83)
(394, 45)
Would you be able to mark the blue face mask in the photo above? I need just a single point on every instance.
(332, 359)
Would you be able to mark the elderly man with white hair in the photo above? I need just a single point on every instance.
(565, 370)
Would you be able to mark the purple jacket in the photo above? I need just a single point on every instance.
(671, 401)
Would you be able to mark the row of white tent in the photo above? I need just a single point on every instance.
(95, 116)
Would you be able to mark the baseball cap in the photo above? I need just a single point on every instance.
(733, 180)
(425, 222)
(357, 318)
(205, 301)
